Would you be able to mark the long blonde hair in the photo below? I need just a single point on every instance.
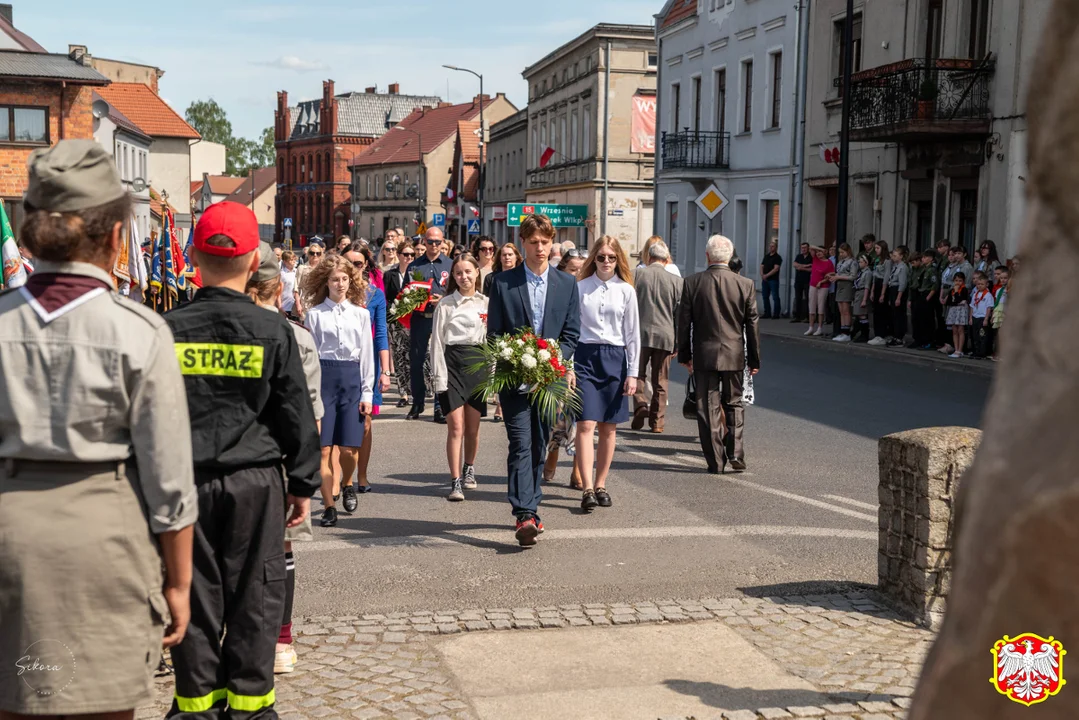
(316, 284)
(621, 267)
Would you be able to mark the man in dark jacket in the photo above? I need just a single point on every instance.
(717, 341)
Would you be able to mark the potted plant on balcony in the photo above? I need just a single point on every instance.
(927, 99)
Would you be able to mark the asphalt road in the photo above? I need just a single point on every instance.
(803, 519)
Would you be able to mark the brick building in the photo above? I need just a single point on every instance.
(44, 98)
(316, 140)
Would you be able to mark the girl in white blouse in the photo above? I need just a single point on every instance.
(341, 328)
(605, 361)
(458, 331)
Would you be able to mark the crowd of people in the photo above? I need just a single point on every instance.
(936, 299)
(203, 433)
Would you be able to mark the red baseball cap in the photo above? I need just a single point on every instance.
(234, 221)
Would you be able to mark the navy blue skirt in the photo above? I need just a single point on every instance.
(601, 375)
(342, 390)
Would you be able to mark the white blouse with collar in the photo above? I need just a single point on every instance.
(342, 331)
(609, 316)
(459, 320)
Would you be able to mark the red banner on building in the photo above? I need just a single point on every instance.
(643, 139)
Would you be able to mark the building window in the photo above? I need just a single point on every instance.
(978, 29)
(318, 168)
(586, 133)
(310, 169)
(573, 136)
(747, 94)
(562, 136)
(576, 69)
(721, 100)
(777, 89)
(676, 102)
(535, 146)
(329, 169)
(934, 26)
(697, 103)
(856, 55)
(24, 125)
(968, 218)
(653, 58)
(303, 168)
(771, 224)
(565, 75)
(672, 226)
(543, 138)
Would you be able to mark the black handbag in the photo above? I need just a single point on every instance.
(689, 406)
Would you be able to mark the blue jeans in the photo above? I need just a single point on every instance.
(770, 290)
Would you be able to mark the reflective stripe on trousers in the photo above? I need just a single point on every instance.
(247, 703)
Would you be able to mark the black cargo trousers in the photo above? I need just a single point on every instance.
(237, 597)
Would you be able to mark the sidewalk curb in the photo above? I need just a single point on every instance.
(926, 359)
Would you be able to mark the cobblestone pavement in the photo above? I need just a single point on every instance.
(863, 656)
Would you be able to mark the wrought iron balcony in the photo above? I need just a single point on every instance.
(696, 149)
(921, 99)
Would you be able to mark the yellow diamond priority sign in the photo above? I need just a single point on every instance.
(711, 201)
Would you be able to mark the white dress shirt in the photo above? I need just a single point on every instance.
(342, 331)
(609, 316)
(288, 287)
(459, 320)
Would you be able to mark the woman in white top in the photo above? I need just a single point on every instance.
(609, 348)
(341, 328)
(458, 330)
(669, 267)
(288, 283)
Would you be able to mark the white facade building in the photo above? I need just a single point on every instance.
(130, 150)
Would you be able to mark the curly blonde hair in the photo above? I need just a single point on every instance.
(316, 284)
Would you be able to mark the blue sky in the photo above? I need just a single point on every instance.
(244, 52)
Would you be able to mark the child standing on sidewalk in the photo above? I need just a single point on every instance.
(896, 296)
(863, 286)
(844, 276)
(1000, 300)
(958, 314)
(981, 314)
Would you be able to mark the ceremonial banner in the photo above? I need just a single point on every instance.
(643, 125)
(14, 274)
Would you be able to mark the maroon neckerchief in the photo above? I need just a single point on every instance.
(55, 290)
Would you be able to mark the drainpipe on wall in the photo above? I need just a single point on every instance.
(63, 89)
(606, 137)
(798, 148)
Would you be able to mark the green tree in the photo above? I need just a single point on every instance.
(241, 154)
(210, 120)
(260, 154)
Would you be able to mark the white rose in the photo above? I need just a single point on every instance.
(528, 361)
(544, 356)
(507, 353)
(520, 342)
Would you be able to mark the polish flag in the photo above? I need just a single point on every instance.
(545, 158)
(449, 193)
(475, 210)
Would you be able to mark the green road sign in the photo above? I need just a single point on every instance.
(561, 215)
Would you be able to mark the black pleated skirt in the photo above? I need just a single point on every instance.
(461, 380)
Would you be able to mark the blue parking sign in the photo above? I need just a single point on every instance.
(438, 219)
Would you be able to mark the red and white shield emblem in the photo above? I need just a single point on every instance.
(1028, 668)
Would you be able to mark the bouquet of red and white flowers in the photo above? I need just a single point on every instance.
(413, 298)
(533, 364)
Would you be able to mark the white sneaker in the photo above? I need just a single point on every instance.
(956, 355)
(284, 661)
(841, 338)
(809, 331)
(877, 341)
(820, 331)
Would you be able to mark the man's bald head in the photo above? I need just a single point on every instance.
(434, 239)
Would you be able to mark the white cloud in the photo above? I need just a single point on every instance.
(291, 62)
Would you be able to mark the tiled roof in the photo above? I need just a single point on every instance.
(365, 114)
(679, 10)
(469, 133)
(155, 203)
(139, 103)
(28, 43)
(224, 184)
(121, 120)
(435, 126)
(264, 179)
(47, 66)
(196, 186)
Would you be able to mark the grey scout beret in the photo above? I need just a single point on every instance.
(269, 265)
(72, 175)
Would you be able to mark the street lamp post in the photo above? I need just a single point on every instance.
(421, 196)
(483, 148)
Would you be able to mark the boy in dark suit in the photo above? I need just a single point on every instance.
(533, 296)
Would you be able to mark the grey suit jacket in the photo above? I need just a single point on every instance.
(718, 306)
(658, 293)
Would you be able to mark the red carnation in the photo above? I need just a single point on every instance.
(541, 344)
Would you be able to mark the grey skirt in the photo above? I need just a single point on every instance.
(844, 291)
(81, 609)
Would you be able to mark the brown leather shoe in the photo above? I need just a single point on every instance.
(657, 428)
(639, 416)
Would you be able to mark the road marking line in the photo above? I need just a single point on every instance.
(851, 501)
(765, 489)
(461, 537)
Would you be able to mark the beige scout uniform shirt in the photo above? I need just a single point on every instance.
(98, 381)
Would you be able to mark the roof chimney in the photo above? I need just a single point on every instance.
(78, 53)
(395, 88)
(5, 12)
(371, 90)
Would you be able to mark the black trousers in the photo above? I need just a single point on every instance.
(899, 314)
(237, 598)
(981, 337)
(801, 300)
(882, 316)
(923, 321)
(419, 339)
(720, 416)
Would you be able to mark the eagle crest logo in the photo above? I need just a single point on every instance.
(1028, 668)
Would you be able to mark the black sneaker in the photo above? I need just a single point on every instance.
(457, 493)
(329, 517)
(468, 478)
(349, 494)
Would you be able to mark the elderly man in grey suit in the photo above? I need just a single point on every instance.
(658, 292)
(717, 341)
